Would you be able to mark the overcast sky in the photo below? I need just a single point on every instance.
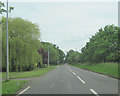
(68, 25)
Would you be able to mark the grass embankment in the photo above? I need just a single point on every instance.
(10, 87)
(110, 69)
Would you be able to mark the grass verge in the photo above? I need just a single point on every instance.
(12, 86)
(110, 69)
(33, 73)
(11, 74)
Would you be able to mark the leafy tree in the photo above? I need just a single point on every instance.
(72, 57)
(55, 54)
(102, 47)
(2, 8)
(23, 44)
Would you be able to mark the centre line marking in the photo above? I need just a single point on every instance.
(73, 73)
(95, 93)
(80, 79)
(24, 90)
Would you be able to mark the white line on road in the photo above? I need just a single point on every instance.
(24, 90)
(76, 75)
(70, 70)
(80, 79)
(73, 73)
(95, 93)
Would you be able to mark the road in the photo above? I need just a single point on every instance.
(66, 79)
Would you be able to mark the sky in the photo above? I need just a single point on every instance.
(67, 24)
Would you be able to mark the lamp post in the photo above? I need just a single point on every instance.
(7, 69)
(48, 57)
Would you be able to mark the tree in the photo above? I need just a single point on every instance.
(102, 47)
(72, 57)
(2, 8)
(23, 44)
(55, 53)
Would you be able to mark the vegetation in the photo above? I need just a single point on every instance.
(102, 47)
(16, 85)
(56, 55)
(26, 74)
(72, 57)
(10, 74)
(110, 69)
(2, 8)
(23, 45)
(33, 73)
(26, 52)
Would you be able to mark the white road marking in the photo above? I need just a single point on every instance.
(73, 73)
(24, 90)
(80, 79)
(77, 76)
(70, 70)
(95, 93)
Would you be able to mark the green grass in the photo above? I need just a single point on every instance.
(33, 73)
(25, 74)
(110, 69)
(10, 87)
(10, 74)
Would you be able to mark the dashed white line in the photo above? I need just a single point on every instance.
(95, 93)
(77, 76)
(73, 73)
(70, 70)
(24, 90)
(80, 79)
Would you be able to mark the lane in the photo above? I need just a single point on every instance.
(58, 81)
(100, 83)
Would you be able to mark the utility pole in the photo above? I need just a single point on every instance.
(7, 69)
(48, 56)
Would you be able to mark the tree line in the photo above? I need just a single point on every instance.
(26, 52)
(102, 47)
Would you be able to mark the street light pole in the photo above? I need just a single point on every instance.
(7, 69)
(48, 56)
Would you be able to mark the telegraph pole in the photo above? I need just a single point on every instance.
(7, 69)
(48, 56)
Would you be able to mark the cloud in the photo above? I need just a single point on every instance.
(68, 25)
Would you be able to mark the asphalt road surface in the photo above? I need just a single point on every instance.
(66, 79)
